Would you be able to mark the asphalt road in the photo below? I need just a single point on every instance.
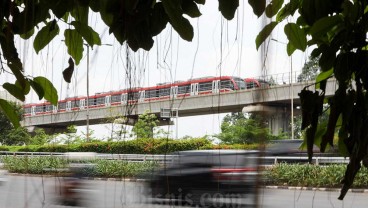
(24, 192)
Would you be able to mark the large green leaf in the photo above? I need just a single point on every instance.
(296, 36)
(290, 48)
(26, 87)
(32, 14)
(324, 25)
(80, 13)
(68, 72)
(289, 9)
(15, 91)
(200, 1)
(328, 57)
(273, 7)
(228, 8)
(49, 89)
(37, 88)
(27, 35)
(179, 23)
(190, 8)
(258, 6)
(74, 42)
(265, 33)
(45, 35)
(10, 53)
(61, 7)
(158, 19)
(91, 37)
(9, 111)
(323, 76)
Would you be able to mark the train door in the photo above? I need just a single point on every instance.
(141, 96)
(33, 110)
(194, 89)
(108, 100)
(124, 98)
(68, 106)
(82, 103)
(215, 86)
(174, 92)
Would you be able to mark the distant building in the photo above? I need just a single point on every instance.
(6, 96)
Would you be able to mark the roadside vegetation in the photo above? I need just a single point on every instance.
(55, 165)
(306, 175)
(301, 175)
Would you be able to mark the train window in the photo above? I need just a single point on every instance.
(39, 109)
(184, 89)
(240, 83)
(251, 84)
(115, 98)
(152, 93)
(75, 104)
(27, 110)
(226, 84)
(133, 96)
(108, 100)
(164, 92)
(91, 101)
(206, 86)
(100, 100)
(62, 106)
(49, 108)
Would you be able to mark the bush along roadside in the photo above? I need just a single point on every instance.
(138, 146)
(91, 168)
(302, 175)
(306, 175)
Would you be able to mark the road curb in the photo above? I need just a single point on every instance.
(146, 180)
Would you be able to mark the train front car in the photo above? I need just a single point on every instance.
(240, 84)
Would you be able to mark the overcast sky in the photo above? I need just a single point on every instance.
(219, 47)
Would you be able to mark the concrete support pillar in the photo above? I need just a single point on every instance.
(278, 117)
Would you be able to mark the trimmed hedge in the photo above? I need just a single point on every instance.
(313, 175)
(139, 146)
(96, 168)
(33, 165)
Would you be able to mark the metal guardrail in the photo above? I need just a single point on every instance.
(268, 160)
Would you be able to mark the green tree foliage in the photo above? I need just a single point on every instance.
(337, 32)
(40, 137)
(144, 127)
(310, 70)
(134, 22)
(239, 129)
(8, 130)
(17, 136)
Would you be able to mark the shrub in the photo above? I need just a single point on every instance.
(33, 165)
(138, 146)
(2, 148)
(312, 175)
